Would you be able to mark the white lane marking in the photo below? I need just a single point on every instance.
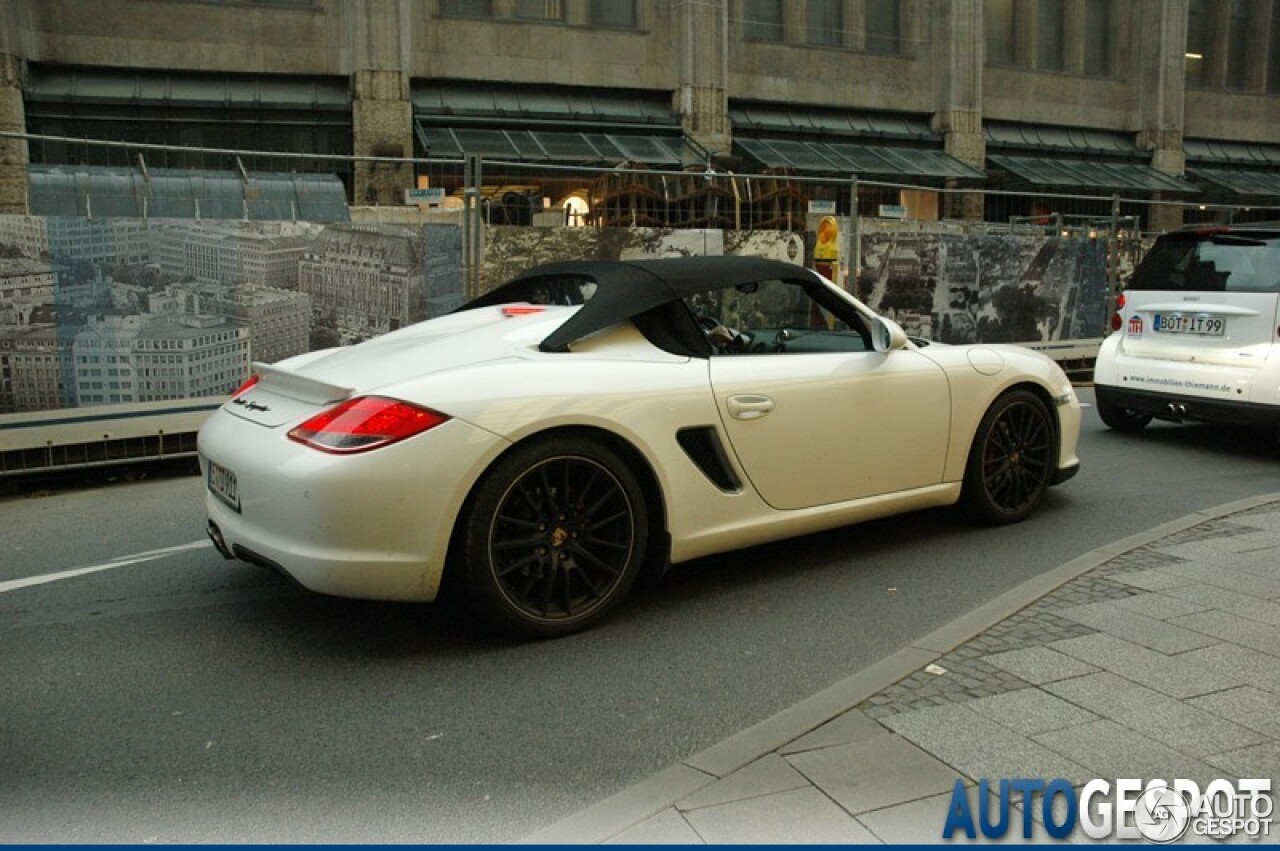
(121, 561)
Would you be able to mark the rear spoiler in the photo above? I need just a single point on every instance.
(300, 387)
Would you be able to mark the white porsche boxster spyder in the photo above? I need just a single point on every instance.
(589, 422)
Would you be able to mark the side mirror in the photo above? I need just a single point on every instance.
(887, 335)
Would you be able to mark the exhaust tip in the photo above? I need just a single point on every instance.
(215, 535)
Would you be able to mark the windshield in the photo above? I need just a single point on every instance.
(1211, 262)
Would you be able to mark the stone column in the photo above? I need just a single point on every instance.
(13, 152)
(1257, 56)
(958, 37)
(382, 124)
(702, 101)
(381, 109)
(1161, 71)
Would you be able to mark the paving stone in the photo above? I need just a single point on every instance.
(1039, 665)
(874, 773)
(1221, 574)
(852, 726)
(1257, 761)
(666, 828)
(1245, 605)
(1091, 587)
(1107, 749)
(1247, 706)
(1028, 628)
(1154, 715)
(771, 773)
(1256, 669)
(802, 816)
(1171, 675)
(1234, 629)
(1152, 580)
(1141, 559)
(1031, 711)
(921, 689)
(1160, 606)
(1222, 527)
(979, 747)
(1231, 550)
(1110, 618)
(921, 823)
(1263, 517)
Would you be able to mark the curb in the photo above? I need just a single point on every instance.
(614, 814)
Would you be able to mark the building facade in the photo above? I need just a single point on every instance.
(1167, 98)
(278, 321)
(259, 253)
(136, 358)
(365, 281)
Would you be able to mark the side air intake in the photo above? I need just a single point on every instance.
(702, 445)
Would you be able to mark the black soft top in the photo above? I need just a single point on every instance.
(647, 292)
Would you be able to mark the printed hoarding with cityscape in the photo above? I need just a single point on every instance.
(120, 311)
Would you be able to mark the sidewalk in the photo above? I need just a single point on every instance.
(1155, 656)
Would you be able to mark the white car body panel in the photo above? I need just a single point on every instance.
(333, 522)
(880, 403)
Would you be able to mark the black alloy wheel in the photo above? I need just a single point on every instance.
(1012, 459)
(555, 537)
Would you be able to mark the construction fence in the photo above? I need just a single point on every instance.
(118, 318)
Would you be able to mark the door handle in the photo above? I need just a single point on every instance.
(749, 406)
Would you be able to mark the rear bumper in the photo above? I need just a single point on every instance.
(1180, 408)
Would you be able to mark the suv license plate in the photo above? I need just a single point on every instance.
(222, 484)
(1182, 323)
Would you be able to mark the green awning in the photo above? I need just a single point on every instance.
(110, 86)
(1216, 153)
(1038, 137)
(1241, 181)
(460, 104)
(848, 158)
(771, 119)
(1090, 174)
(551, 145)
(102, 192)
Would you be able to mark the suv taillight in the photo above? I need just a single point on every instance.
(1117, 318)
(365, 423)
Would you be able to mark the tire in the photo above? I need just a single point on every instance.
(555, 537)
(1011, 461)
(1121, 419)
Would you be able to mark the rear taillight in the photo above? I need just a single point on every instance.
(1117, 319)
(244, 388)
(368, 422)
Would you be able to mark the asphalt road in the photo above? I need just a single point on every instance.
(183, 698)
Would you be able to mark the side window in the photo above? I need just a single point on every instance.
(772, 317)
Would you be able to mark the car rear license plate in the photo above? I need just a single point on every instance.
(222, 484)
(1190, 323)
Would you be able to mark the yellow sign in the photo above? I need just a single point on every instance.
(828, 245)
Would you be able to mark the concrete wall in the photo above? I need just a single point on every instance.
(171, 34)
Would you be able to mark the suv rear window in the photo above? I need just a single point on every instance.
(1235, 261)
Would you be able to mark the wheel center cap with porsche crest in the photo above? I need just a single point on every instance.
(558, 537)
